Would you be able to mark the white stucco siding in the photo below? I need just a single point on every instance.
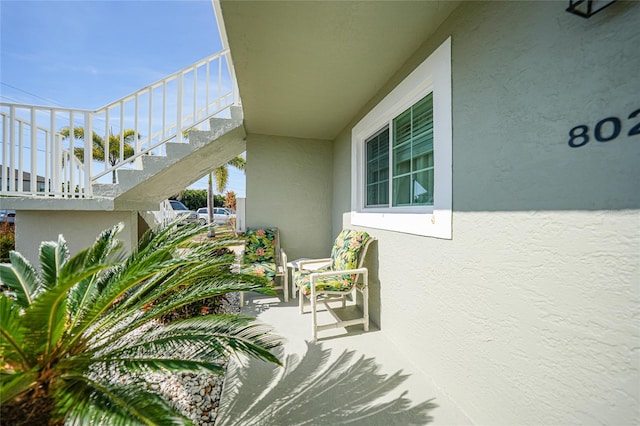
(79, 228)
(531, 322)
(529, 314)
(521, 84)
(289, 187)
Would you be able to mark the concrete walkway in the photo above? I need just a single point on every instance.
(347, 377)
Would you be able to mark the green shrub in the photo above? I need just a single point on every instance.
(7, 241)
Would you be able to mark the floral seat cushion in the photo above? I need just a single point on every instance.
(346, 249)
(261, 269)
(345, 255)
(260, 245)
(302, 279)
(260, 253)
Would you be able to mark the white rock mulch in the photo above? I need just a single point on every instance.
(196, 396)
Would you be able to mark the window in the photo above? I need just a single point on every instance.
(412, 159)
(378, 169)
(402, 154)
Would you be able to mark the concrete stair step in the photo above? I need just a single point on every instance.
(184, 163)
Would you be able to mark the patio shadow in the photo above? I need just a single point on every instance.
(311, 390)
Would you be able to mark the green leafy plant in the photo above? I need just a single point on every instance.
(7, 240)
(210, 305)
(78, 338)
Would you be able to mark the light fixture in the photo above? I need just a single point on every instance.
(587, 8)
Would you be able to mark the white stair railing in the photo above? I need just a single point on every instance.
(37, 160)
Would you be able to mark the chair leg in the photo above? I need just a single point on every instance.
(241, 299)
(285, 290)
(301, 302)
(314, 319)
(365, 307)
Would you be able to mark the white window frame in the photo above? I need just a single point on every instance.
(433, 75)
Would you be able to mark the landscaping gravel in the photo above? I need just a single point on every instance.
(196, 395)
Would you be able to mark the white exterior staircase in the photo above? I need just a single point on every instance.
(161, 176)
(185, 125)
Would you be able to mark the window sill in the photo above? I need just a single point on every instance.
(435, 224)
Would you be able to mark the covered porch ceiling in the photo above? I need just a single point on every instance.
(306, 68)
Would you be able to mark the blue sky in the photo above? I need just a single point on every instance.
(86, 54)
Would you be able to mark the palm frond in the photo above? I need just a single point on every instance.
(135, 272)
(16, 384)
(95, 320)
(130, 135)
(222, 177)
(98, 154)
(12, 334)
(205, 283)
(83, 401)
(134, 364)
(106, 246)
(53, 255)
(21, 277)
(204, 338)
(238, 162)
(79, 153)
(47, 315)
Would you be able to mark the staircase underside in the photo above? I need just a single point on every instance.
(159, 178)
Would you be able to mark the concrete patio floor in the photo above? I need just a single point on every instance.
(347, 377)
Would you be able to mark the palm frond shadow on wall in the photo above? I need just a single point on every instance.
(311, 391)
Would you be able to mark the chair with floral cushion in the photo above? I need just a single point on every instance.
(343, 275)
(263, 257)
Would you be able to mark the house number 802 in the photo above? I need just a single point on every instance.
(605, 130)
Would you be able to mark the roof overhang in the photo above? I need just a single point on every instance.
(305, 69)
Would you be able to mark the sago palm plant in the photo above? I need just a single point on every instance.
(79, 335)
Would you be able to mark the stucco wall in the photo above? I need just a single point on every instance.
(289, 186)
(529, 315)
(79, 228)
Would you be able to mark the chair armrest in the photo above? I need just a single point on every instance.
(315, 275)
(323, 262)
(283, 259)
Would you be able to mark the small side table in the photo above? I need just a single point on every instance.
(294, 265)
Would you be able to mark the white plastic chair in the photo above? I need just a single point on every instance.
(343, 275)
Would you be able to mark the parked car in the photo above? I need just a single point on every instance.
(186, 216)
(221, 216)
(8, 216)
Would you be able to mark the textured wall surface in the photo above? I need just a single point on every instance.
(79, 228)
(529, 315)
(289, 186)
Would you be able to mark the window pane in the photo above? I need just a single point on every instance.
(372, 171)
(402, 159)
(422, 162)
(423, 116)
(383, 192)
(372, 150)
(423, 188)
(402, 128)
(413, 155)
(372, 195)
(383, 147)
(377, 148)
(402, 191)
